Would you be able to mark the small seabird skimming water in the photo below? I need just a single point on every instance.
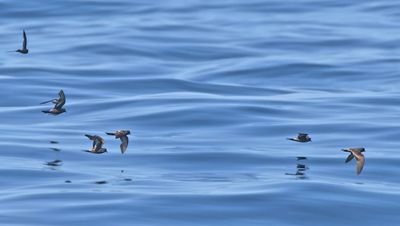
(24, 49)
(357, 153)
(97, 147)
(123, 135)
(301, 137)
(59, 103)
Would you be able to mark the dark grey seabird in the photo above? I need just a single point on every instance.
(24, 50)
(301, 137)
(59, 103)
(98, 142)
(123, 135)
(357, 153)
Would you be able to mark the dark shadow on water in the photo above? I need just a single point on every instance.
(54, 163)
(100, 182)
(55, 149)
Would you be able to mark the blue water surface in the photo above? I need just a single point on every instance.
(210, 91)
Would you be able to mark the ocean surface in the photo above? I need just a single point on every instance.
(210, 91)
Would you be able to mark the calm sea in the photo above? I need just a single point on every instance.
(210, 91)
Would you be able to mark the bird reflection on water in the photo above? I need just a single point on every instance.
(301, 169)
(53, 164)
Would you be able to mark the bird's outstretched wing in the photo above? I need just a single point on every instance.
(109, 133)
(89, 136)
(25, 42)
(45, 102)
(124, 144)
(360, 161)
(61, 101)
(360, 166)
(349, 158)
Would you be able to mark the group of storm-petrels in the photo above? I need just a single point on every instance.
(354, 152)
(98, 142)
(59, 103)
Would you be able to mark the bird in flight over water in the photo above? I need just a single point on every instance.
(356, 153)
(301, 137)
(24, 49)
(97, 147)
(123, 135)
(59, 103)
